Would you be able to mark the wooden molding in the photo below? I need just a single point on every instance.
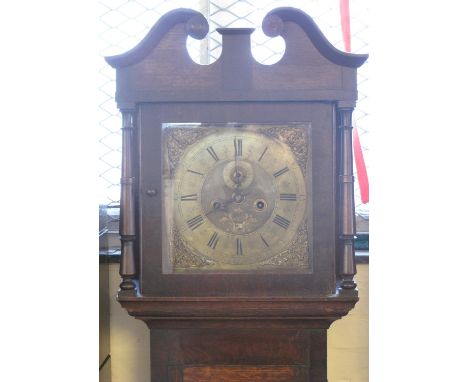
(177, 312)
(196, 27)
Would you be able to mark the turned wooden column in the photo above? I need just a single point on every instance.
(347, 219)
(127, 206)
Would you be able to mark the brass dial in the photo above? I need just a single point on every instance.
(239, 197)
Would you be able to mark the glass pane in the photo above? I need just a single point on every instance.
(234, 197)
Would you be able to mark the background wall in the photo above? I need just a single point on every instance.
(348, 347)
(348, 338)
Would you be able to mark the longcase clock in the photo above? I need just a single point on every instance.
(237, 205)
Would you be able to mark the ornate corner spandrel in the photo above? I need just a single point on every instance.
(296, 256)
(293, 136)
(184, 258)
(178, 139)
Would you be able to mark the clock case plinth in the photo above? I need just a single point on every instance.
(237, 327)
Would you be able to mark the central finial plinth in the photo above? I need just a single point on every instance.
(236, 57)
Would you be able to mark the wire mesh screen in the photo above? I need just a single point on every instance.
(125, 22)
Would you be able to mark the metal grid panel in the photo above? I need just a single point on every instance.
(359, 10)
(125, 22)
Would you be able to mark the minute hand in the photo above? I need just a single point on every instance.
(224, 204)
(237, 177)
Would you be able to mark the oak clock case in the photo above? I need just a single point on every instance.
(235, 197)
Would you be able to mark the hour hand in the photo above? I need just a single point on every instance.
(221, 205)
(218, 205)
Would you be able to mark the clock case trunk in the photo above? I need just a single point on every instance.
(244, 326)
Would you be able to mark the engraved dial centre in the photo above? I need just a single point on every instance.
(230, 192)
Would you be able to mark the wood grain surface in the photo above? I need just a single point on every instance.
(242, 374)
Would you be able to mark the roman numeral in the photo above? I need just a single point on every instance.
(212, 153)
(261, 156)
(281, 172)
(213, 240)
(264, 241)
(239, 247)
(281, 221)
(195, 222)
(187, 198)
(238, 147)
(289, 197)
(195, 172)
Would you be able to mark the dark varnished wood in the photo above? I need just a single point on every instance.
(317, 312)
(239, 355)
(347, 220)
(273, 25)
(127, 222)
(243, 373)
(238, 326)
(196, 26)
(319, 280)
(302, 74)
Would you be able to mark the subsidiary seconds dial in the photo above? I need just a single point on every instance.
(239, 197)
